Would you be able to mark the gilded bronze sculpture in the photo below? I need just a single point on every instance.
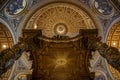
(60, 55)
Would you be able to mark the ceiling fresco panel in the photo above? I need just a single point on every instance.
(15, 7)
(103, 7)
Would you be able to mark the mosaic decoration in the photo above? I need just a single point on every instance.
(113, 39)
(106, 22)
(16, 21)
(15, 7)
(103, 7)
(61, 18)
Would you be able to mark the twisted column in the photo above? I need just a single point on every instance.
(111, 54)
(8, 56)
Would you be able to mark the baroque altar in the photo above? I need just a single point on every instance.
(60, 57)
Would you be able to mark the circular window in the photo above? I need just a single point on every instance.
(60, 29)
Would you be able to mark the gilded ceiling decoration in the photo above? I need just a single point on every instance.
(5, 42)
(60, 19)
(5, 37)
(113, 39)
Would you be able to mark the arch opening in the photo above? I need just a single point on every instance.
(113, 39)
(6, 41)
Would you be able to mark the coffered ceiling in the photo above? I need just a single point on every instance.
(6, 41)
(113, 40)
(5, 37)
